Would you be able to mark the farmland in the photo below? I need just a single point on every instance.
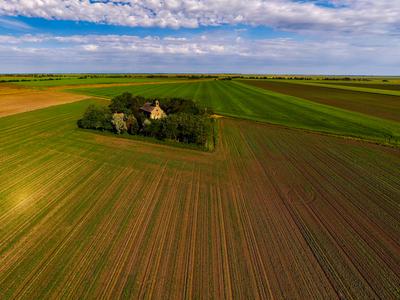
(379, 105)
(273, 213)
(244, 101)
(197, 149)
(35, 93)
(90, 81)
(383, 86)
(15, 99)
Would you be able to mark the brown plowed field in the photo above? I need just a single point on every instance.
(379, 105)
(273, 213)
(14, 99)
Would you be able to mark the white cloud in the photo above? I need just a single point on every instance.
(350, 36)
(364, 16)
(90, 47)
(216, 52)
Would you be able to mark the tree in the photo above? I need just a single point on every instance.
(126, 103)
(96, 117)
(180, 105)
(154, 128)
(171, 127)
(119, 103)
(119, 123)
(132, 124)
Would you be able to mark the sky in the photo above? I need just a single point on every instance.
(344, 37)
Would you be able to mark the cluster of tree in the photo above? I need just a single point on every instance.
(179, 105)
(305, 78)
(181, 127)
(96, 117)
(36, 75)
(186, 122)
(290, 77)
(188, 76)
(256, 77)
(346, 78)
(201, 76)
(86, 76)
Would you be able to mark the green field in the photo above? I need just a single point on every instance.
(243, 101)
(375, 104)
(272, 213)
(379, 89)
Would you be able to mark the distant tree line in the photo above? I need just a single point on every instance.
(44, 76)
(311, 78)
(224, 78)
(36, 75)
(186, 121)
(24, 80)
(187, 76)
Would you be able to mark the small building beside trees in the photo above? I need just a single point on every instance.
(175, 119)
(153, 111)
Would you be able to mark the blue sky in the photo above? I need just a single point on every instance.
(253, 36)
(65, 27)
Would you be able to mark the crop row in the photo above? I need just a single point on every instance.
(370, 103)
(245, 101)
(273, 213)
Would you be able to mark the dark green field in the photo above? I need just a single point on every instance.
(241, 100)
(383, 86)
(379, 105)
